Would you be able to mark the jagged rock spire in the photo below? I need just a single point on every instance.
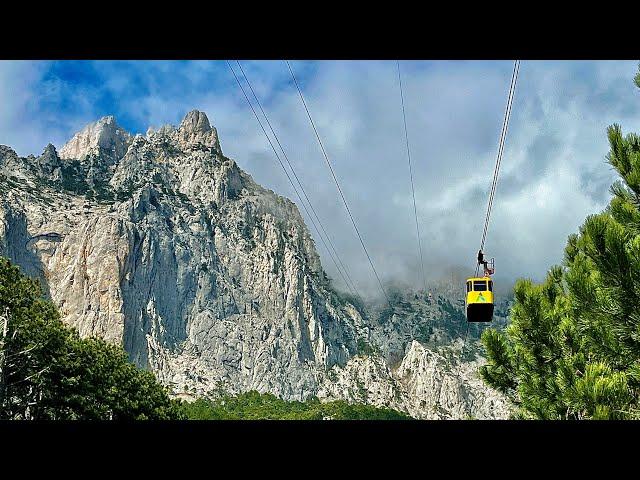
(196, 121)
(49, 162)
(105, 134)
(195, 128)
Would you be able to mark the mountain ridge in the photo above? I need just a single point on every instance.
(204, 276)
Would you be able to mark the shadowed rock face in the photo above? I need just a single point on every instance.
(162, 244)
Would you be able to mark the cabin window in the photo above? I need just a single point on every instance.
(468, 286)
(480, 286)
(490, 286)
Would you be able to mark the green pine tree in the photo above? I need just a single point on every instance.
(572, 349)
(49, 372)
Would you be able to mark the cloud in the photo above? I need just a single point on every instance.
(553, 173)
(17, 85)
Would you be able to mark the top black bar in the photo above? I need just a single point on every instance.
(316, 31)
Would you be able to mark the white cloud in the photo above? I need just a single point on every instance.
(553, 172)
(17, 81)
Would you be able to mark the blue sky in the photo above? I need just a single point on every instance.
(553, 172)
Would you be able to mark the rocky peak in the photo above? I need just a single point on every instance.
(104, 136)
(49, 162)
(195, 121)
(6, 153)
(10, 162)
(50, 155)
(195, 128)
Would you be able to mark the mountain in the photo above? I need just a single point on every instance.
(163, 244)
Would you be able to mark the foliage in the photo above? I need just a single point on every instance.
(256, 406)
(365, 348)
(51, 373)
(572, 350)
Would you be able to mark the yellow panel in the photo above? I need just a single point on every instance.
(480, 297)
(484, 296)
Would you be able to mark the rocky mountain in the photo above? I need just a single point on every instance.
(163, 244)
(428, 383)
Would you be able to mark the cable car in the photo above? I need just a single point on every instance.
(479, 297)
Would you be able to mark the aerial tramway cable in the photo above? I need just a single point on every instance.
(335, 179)
(470, 301)
(413, 192)
(503, 135)
(286, 172)
(350, 285)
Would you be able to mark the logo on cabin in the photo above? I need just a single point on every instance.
(481, 298)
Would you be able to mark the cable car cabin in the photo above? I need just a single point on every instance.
(479, 299)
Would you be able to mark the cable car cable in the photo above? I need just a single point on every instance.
(344, 268)
(413, 193)
(503, 135)
(501, 144)
(282, 165)
(287, 173)
(335, 179)
(284, 153)
(480, 302)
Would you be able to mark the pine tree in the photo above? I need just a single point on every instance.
(49, 372)
(572, 349)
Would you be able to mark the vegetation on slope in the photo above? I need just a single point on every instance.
(255, 406)
(572, 350)
(48, 372)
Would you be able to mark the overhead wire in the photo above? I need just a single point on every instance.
(286, 172)
(335, 179)
(501, 143)
(350, 283)
(413, 192)
(496, 170)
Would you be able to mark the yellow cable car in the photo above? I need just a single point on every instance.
(479, 299)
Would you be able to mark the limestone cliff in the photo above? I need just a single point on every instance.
(162, 244)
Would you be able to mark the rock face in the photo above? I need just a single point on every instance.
(102, 137)
(426, 385)
(162, 244)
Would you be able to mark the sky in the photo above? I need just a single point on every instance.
(553, 173)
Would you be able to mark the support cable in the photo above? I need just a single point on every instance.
(413, 192)
(285, 171)
(503, 136)
(335, 179)
(349, 283)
